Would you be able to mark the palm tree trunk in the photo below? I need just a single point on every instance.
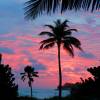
(60, 74)
(31, 89)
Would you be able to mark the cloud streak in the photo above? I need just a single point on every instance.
(19, 44)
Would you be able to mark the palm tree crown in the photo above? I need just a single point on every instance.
(60, 34)
(29, 73)
(36, 7)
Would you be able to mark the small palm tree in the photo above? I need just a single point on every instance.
(60, 34)
(30, 74)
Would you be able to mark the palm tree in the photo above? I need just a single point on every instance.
(33, 8)
(30, 74)
(61, 34)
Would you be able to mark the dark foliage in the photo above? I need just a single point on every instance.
(8, 88)
(27, 98)
(30, 74)
(89, 87)
(34, 8)
(60, 34)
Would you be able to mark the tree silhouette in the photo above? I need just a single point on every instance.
(35, 8)
(8, 88)
(60, 34)
(89, 87)
(0, 58)
(95, 72)
(30, 74)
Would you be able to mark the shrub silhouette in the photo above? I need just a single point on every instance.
(8, 89)
(89, 87)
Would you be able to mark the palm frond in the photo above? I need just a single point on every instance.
(35, 75)
(69, 31)
(23, 77)
(75, 42)
(96, 4)
(49, 40)
(34, 8)
(47, 46)
(41, 46)
(68, 48)
(22, 73)
(72, 30)
(64, 24)
(46, 33)
(58, 22)
(37, 7)
(51, 27)
(44, 43)
(80, 4)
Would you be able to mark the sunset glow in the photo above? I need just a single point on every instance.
(19, 44)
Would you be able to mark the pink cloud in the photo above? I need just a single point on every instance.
(26, 47)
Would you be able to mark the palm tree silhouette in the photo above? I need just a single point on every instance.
(30, 74)
(61, 34)
(33, 8)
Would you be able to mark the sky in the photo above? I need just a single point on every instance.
(19, 44)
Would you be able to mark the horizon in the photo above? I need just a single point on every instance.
(20, 44)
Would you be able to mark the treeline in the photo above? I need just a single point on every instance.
(8, 87)
(88, 89)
